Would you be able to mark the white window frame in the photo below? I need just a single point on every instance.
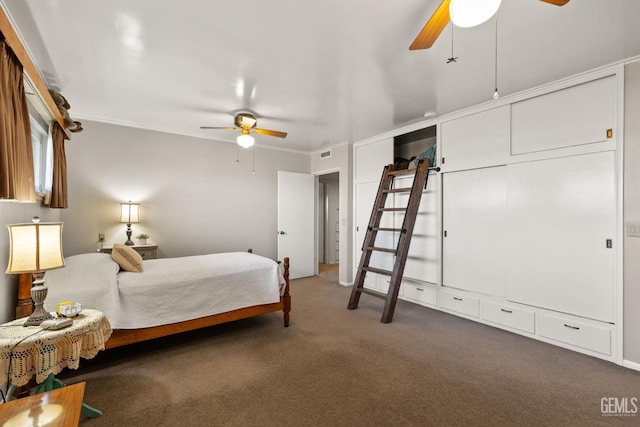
(41, 142)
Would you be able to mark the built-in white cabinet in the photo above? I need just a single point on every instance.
(477, 140)
(578, 115)
(365, 195)
(371, 159)
(423, 260)
(474, 206)
(520, 228)
(561, 225)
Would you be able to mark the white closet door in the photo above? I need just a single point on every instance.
(561, 214)
(423, 258)
(474, 209)
(365, 198)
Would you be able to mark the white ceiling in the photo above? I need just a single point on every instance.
(325, 71)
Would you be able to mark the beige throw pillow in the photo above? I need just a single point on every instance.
(127, 258)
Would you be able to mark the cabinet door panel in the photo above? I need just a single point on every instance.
(371, 160)
(477, 140)
(577, 115)
(365, 198)
(561, 213)
(474, 210)
(423, 260)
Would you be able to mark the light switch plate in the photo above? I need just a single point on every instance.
(633, 229)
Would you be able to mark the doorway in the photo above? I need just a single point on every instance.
(328, 226)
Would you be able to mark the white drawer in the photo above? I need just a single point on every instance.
(576, 333)
(420, 292)
(461, 303)
(508, 315)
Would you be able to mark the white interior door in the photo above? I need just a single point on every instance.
(296, 196)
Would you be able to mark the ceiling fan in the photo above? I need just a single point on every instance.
(459, 12)
(246, 123)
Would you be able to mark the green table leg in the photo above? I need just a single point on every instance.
(90, 411)
(52, 383)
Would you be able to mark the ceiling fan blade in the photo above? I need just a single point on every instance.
(270, 132)
(216, 127)
(433, 27)
(556, 2)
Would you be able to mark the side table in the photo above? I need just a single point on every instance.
(56, 408)
(145, 251)
(31, 350)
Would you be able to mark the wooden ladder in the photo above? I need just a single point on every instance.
(368, 247)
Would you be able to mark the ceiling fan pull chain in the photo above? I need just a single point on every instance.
(496, 95)
(452, 58)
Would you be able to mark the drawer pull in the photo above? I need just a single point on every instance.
(506, 311)
(572, 327)
(420, 289)
(457, 299)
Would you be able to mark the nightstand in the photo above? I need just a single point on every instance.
(145, 251)
(27, 351)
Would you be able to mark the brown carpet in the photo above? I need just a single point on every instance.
(329, 272)
(335, 367)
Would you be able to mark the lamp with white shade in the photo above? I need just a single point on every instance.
(129, 214)
(34, 248)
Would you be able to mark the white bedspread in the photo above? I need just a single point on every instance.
(169, 290)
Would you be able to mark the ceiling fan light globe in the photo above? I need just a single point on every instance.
(469, 13)
(245, 140)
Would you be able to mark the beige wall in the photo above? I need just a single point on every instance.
(632, 213)
(194, 197)
(341, 160)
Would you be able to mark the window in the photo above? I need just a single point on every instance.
(41, 142)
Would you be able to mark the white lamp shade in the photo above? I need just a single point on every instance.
(469, 13)
(35, 247)
(129, 213)
(245, 140)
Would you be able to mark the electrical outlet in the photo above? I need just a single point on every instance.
(100, 237)
(633, 229)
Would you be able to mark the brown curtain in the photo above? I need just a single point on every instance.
(16, 152)
(59, 186)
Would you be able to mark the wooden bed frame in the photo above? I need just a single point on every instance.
(122, 337)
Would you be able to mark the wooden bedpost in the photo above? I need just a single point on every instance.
(286, 297)
(24, 307)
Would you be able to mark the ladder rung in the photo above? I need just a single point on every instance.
(386, 229)
(372, 292)
(373, 248)
(397, 190)
(392, 209)
(403, 172)
(378, 270)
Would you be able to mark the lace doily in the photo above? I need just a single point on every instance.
(29, 351)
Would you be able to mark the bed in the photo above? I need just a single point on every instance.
(170, 295)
